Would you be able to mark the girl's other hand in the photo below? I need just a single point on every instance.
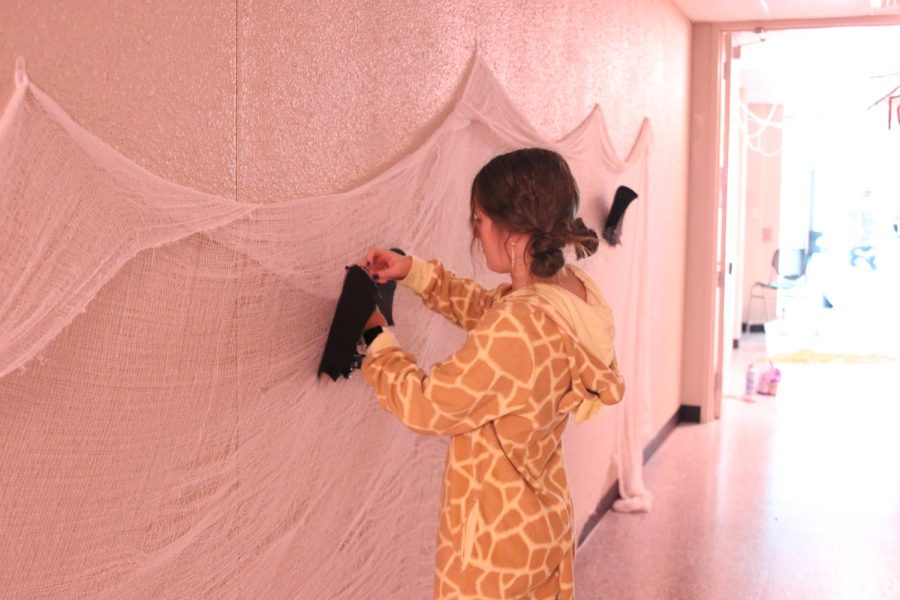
(375, 319)
(384, 265)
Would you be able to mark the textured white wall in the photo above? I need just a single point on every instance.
(269, 100)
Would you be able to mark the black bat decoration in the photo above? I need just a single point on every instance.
(612, 230)
(358, 299)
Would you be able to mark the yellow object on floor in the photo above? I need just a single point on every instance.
(814, 356)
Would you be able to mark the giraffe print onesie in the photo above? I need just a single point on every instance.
(531, 357)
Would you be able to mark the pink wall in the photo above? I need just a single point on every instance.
(700, 292)
(273, 99)
(154, 79)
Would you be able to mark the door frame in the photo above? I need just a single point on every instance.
(701, 381)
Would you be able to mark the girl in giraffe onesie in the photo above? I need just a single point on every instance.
(538, 348)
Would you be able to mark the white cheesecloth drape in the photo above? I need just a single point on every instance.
(163, 430)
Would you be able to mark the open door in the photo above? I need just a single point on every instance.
(718, 206)
(726, 255)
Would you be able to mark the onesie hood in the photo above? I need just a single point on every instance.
(589, 334)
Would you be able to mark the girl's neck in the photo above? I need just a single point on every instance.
(524, 278)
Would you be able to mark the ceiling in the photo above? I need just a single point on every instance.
(752, 10)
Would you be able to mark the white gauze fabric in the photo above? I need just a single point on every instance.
(164, 432)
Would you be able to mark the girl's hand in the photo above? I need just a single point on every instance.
(384, 265)
(375, 319)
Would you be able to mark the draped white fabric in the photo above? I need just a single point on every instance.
(164, 433)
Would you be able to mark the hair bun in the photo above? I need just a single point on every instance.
(585, 239)
(547, 255)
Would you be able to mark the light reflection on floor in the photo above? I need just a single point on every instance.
(796, 496)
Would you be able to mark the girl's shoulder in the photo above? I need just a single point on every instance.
(524, 310)
(517, 313)
(594, 293)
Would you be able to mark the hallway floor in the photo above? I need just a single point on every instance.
(791, 497)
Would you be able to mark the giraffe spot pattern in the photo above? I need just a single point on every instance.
(505, 527)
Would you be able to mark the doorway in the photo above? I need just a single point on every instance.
(811, 268)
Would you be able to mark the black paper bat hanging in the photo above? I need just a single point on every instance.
(359, 297)
(612, 229)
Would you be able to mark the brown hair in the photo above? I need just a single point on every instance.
(532, 191)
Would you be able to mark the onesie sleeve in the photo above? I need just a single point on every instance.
(490, 376)
(462, 301)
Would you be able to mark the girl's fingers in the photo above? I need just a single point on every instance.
(381, 264)
(370, 255)
(383, 261)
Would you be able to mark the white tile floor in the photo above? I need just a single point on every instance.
(791, 497)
